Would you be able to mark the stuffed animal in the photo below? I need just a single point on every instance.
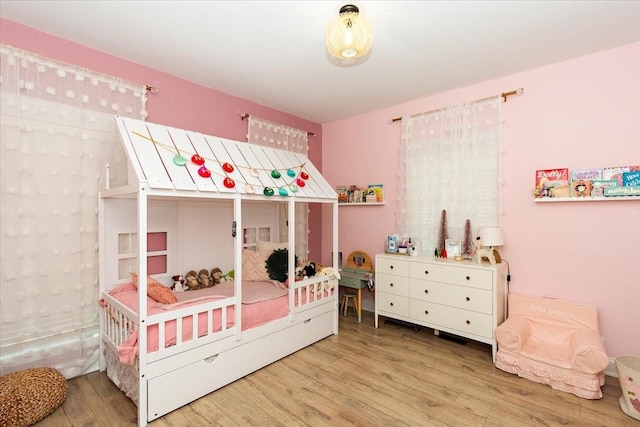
(191, 280)
(278, 265)
(326, 285)
(482, 252)
(179, 283)
(216, 276)
(203, 279)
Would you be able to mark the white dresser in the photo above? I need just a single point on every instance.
(463, 298)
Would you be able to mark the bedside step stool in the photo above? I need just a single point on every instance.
(346, 297)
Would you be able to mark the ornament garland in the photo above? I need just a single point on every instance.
(298, 179)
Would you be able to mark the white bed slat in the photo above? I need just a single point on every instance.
(179, 175)
(142, 150)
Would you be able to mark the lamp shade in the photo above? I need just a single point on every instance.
(491, 236)
(349, 35)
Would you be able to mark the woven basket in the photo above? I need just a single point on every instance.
(30, 395)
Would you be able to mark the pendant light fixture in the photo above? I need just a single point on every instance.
(349, 35)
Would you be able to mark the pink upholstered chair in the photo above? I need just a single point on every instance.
(553, 342)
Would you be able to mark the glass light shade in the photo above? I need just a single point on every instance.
(349, 35)
(491, 236)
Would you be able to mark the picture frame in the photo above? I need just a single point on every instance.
(453, 247)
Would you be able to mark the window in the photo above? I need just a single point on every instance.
(157, 253)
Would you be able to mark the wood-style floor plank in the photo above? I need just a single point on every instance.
(390, 376)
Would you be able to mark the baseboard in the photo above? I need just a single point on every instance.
(611, 370)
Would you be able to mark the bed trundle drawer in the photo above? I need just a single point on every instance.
(184, 385)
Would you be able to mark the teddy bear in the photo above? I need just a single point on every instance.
(179, 283)
(191, 280)
(203, 279)
(327, 285)
(217, 277)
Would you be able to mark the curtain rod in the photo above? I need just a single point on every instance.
(246, 116)
(504, 96)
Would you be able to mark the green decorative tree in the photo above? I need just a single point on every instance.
(443, 234)
(467, 245)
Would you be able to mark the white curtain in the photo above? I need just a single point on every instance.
(57, 128)
(450, 159)
(274, 135)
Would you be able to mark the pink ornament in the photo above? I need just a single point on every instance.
(204, 172)
(300, 182)
(304, 175)
(227, 168)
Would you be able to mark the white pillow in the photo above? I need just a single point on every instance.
(266, 246)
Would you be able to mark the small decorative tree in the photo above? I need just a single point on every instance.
(467, 245)
(443, 234)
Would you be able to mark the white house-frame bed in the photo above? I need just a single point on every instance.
(169, 189)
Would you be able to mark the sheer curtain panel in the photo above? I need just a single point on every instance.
(450, 159)
(56, 129)
(274, 135)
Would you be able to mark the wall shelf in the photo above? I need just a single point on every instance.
(363, 204)
(586, 199)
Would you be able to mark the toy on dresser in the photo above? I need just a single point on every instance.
(482, 252)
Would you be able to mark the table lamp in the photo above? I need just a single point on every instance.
(492, 237)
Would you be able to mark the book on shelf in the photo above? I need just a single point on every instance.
(552, 183)
(617, 171)
(631, 179)
(598, 186)
(581, 188)
(378, 190)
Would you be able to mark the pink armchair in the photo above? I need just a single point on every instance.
(553, 342)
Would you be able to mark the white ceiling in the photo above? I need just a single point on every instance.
(272, 52)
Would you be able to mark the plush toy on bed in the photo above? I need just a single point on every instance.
(179, 283)
(327, 285)
(278, 265)
(191, 280)
(216, 276)
(203, 279)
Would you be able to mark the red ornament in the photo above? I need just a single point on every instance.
(304, 175)
(198, 160)
(300, 182)
(204, 172)
(229, 183)
(227, 168)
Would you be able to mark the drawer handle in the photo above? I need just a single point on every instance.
(391, 267)
(391, 285)
(468, 278)
(426, 291)
(426, 272)
(426, 312)
(468, 299)
(211, 358)
(391, 304)
(468, 322)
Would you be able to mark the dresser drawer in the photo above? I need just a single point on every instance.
(464, 297)
(456, 275)
(397, 265)
(453, 319)
(392, 284)
(392, 304)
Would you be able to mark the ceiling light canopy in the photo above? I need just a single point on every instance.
(349, 35)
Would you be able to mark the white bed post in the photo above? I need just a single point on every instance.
(291, 244)
(237, 263)
(142, 305)
(335, 263)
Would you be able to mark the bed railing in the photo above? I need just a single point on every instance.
(188, 327)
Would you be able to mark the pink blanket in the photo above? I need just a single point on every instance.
(262, 302)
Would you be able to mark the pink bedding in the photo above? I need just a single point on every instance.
(262, 302)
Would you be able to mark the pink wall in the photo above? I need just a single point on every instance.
(179, 103)
(581, 113)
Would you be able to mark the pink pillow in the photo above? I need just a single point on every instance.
(156, 290)
(254, 265)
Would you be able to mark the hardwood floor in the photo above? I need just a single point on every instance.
(390, 376)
